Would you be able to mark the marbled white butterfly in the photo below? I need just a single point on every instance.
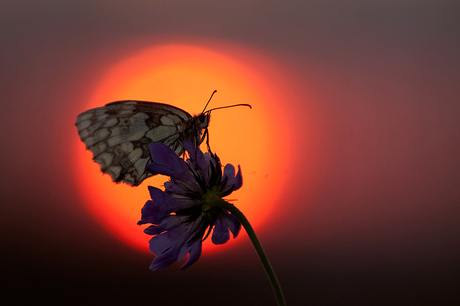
(120, 132)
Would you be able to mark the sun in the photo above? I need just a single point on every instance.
(185, 75)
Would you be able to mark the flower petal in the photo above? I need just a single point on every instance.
(167, 232)
(232, 182)
(166, 162)
(224, 222)
(163, 261)
(174, 244)
(220, 234)
(183, 188)
(158, 208)
(173, 188)
(234, 225)
(166, 225)
(195, 252)
(197, 158)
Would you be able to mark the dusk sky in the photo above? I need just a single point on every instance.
(350, 155)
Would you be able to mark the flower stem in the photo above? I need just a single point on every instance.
(252, 235)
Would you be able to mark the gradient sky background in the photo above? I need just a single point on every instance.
(370, 210)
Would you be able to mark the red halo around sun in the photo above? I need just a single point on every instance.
(185, 75)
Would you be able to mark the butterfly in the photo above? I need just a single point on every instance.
(119, 134)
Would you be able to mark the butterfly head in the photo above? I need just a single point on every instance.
(203, 119)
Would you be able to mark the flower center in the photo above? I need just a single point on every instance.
(211, 199)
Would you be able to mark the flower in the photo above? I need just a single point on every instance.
(188, 209)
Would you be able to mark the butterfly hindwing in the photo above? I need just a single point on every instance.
(119, 133)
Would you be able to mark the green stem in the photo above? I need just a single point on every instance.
(252, 235)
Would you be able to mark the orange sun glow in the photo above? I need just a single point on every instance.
(184, 75)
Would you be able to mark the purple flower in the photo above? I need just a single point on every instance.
(187, 210)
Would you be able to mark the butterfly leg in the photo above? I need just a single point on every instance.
(206, 134)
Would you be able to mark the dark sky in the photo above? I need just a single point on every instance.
(372, 207)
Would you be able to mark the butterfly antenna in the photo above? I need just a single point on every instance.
(229, 107)
(209, 100)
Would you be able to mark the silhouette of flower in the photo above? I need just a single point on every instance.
(188, 210)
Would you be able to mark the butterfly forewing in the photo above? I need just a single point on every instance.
(119, 133)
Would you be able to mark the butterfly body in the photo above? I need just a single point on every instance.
(119, 134)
